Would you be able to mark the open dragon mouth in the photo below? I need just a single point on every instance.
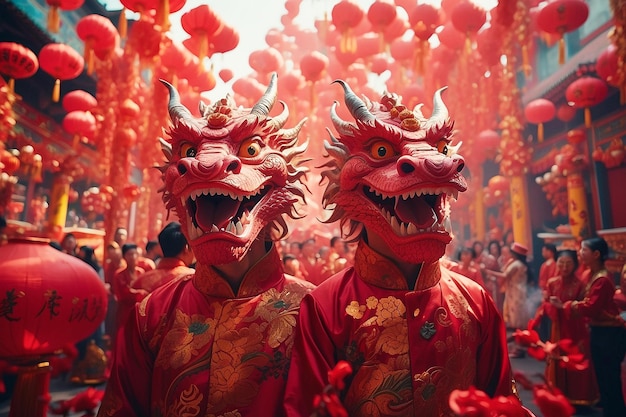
(414, 212)
(219, 210)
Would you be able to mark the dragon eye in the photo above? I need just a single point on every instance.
(442, 147)
(381, 150)
(187, 151)
(249, 148)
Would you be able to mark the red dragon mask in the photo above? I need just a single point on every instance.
(393, 171)
(231, 174)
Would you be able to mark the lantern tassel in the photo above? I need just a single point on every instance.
(76, 141)
(561, 51)
(204, 47)
(526, 61)
(468, 44)
(122, 24)
(11, 86)
(163, 13)
(54, 19)
(587, 117)
(56, 91)
(88, 55)
(540, 132)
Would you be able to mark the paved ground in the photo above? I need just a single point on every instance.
(62, 390)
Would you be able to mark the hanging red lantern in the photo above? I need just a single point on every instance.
(16, 62)
(79, 100)
(498, 185)
(346, 16)
(226, 74)
(451, 37)
(381, 14)
(145, 40)
(396, 29)
(10, 160)
(488, 141)
(562, 16)
(379, 63)
(81, 124)
(424, 20)
(538, 112)
(607, 65)
(98, 33)
(265, 61)
(52, 299)
(488, 44)
(586, 92)
(54, 20)
(468, 18)
(565, 113)
(291, 82)
(312, 66)
(202, 23)
(62, 62)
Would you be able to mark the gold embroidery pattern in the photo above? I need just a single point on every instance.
(111, 404)
(184, 340)
(234, 413)
(380, 391)
(355, 310)
(188, 405)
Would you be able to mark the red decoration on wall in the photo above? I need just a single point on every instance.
(586, 92)
(538, 112)
(561, 16)
(62, 62)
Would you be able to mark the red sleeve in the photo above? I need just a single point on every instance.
(312, 357)
(593, 306)
(128, 388)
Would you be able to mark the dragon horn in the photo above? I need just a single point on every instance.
(343, 127)
(440, 111)
(265, 103)
(355, 105)
(176, 109)
(279, 121)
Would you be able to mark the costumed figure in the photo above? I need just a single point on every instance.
(218, 342)
(411, 330)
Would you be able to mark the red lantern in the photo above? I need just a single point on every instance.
(98, 33)
(498, 185)
(586, 92)
(488, 44)
(17, 61)
(53, 13)
(468, 18)
(379, 63)
(291, 82)
(396, 29)
(562, 16)
(265, 61)
(226, 74)
(488, 141)
(565, 113)
(312, 65)
(79, 100)
(346, 16)
(451, 37)
(80, 124)
(424, 19)
(608, 68)
(55, 299)
(62, 62)
(538, 112)
(381, 14)
(202, 23)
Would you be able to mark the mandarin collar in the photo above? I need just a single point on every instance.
(262, 276)
(378, 270)
(169, 263)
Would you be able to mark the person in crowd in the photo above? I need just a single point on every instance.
(122, 288)
(291, 265)
(218, 342)
(497, 291)
(620, 293)
(547, 270)
(484, 260)
(515, 278)
(465, 265)
(310, 262)
(69, 244)
(336, 258)
(120, 236)
(88, 255)
(153, 251)
(143, 262)
(176, 261)
(578, 385)
(411, 330)
(608, 329)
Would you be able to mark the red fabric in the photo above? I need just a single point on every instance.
(547, 270)
(125, 295)
(598, 305)
(167, 270)
(146, 264)
(470, 272)
(368, 316)
(194, 347)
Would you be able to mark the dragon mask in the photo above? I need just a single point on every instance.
(231, 175)
(393, 171)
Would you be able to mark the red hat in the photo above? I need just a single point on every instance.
(519, 249)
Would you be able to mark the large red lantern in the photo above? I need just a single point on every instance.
(586, 92)
(540, 111)
(488, 141)
(81, 124)
(78, 100)
(561, 16)
(381, 14)
(346, 16)
(62, 62)
(265, 61)
(451, 37)
(312, 66)
(468, 18)
(424, 20)
(49, 299)
(53, 14)
(202, 23)
(565, 113)
(17, 61)
(98, 33)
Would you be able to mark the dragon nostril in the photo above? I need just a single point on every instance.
(233, 166)
(182, 169)
(460, 167)
(406, 167)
